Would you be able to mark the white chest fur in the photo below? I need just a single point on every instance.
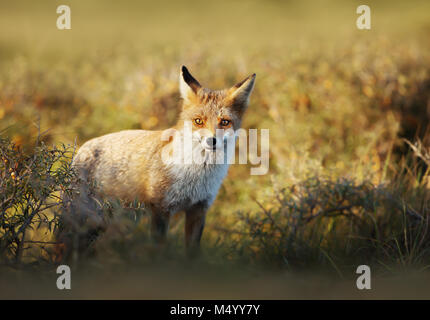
(192, 183)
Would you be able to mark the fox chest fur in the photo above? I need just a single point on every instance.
(192, 184)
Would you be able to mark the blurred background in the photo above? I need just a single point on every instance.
(345, 187)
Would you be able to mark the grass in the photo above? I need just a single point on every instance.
(344, 188)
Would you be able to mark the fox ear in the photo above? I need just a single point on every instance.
(188, 86)
(240, 92)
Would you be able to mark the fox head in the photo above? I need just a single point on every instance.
(208, 110)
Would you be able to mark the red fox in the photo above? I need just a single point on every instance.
(128, 165)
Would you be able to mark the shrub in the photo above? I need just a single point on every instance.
(320, 221)
(31, 183)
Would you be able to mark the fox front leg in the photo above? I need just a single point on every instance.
(159, 225)
(194, 224)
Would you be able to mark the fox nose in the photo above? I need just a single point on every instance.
(211, 142)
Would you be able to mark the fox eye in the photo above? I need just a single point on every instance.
(225, 122)
(198, 121)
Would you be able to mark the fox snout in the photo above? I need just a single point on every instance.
(210, 143)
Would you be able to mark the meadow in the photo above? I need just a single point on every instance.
(348, 114)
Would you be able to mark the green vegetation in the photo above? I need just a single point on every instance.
(345, 187)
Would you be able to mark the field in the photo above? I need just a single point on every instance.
(348, 112)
